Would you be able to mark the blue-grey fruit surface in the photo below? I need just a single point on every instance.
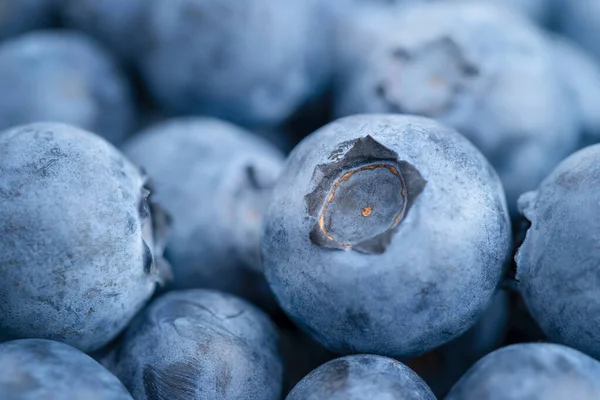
(360, 377)
(557, 264)
(34, 369)
(200, 344)
(253, 63)
(80, 246)
(531, 371)
(386, 234)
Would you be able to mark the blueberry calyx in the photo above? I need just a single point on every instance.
(361, 197)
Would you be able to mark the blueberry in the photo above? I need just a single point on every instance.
(215, 180)
(18, 16)
(253, 63)
(35, 369)
(362, 376)
(581, 75)
(65, 77)
(531, 371)
(484, 71)
(200, 344)
(386, 234)
(78, 255)
(557, 264)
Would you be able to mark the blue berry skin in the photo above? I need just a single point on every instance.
(557, 264)
(253, 63)
(531, 371)
(34, 369)
(386, 234)
(362, 377)
(215, 180)
(477, 68)
(19, 16)
(200, 344)
(63, 76)
(78, 254)
(580, 73)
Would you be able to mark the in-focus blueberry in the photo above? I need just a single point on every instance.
(478, 68)
(386, 234)
(200, 344)
(557, 264)
(18, 16)
(362, 376)
(215, 180)
(34, 369)
(63, 76)
(531, 371)
(253, 63)
(79, 243)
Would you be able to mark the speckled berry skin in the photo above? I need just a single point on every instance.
(78, 255)
(386, 234)
(215, 180)
(18, 16)
(200, 344)
(531, 371)
(480, 69)
(557, 264)
(253, 63)
(63, 76)
(360, 377)
(35, 369)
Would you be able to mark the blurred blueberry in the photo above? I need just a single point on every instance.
(480, 69)
(200, 344)
(557, 264)
(63, 76)
(253, 63)
(536, 10)
(443, 367)
(119, 25)
(19, 16)
(80, 247)
(531, 371)
(360, 377)
(215, 180)
(581, 74)
(580, 20)
(386, 234)
(34, 369)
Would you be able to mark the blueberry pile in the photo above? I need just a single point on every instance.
(300, 199)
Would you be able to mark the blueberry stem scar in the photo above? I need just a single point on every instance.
(367, 210)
